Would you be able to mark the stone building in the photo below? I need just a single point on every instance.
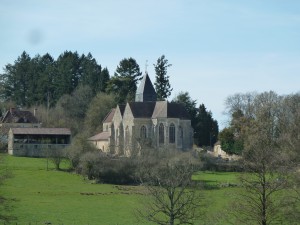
(37, 142)
(22, 134)
(146, 123)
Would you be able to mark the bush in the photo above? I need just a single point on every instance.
(118, 171)
(78, 148)
(106, 169)
(220, 165)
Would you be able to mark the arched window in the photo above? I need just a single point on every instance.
(143, 132)
(117, 137)
(172, 133)
(127, 137)
(161, 133)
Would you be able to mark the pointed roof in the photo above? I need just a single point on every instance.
(142, 109)
(99, 137)
(18, 116)
(164, 109)
(109, 116)
(146, 91)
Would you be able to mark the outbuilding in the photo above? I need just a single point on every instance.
(37, 142)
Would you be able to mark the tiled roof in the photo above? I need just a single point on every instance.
(19, 116)
(109, 116)
(41, 131)
(177, 110)
(100, 136)
(164, 109)
(142, 109)
(160, 109)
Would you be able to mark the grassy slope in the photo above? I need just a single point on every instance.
(64, 198)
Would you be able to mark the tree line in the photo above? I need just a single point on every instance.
(43, 80)
(73, 90)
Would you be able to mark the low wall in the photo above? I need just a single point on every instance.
(35, 150)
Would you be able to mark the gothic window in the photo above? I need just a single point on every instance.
(172, 133)
(127, 136)
(161, 133)
(143, 133)
(117, 137)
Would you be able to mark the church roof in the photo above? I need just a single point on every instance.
(101, 136)
(160, 109)
(164, 109)
(176, 110)
(109, 116)
(122, 109)
(146, 91)
(142, 109)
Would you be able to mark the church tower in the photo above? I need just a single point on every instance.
(145, 92)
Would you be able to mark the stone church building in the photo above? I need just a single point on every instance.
(143, 124)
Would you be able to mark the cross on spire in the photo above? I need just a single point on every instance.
(146, 66)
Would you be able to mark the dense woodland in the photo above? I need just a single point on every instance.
(76, 91)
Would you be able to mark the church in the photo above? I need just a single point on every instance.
(145, 124)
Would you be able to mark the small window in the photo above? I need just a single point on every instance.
(143, 133)
(161, 133)
(172, 133)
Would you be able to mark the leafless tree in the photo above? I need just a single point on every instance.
(266, 180)
(173, 197)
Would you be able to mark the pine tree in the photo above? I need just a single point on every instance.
(124, 83)
(16, 79)
(206, 129)
(162, 84)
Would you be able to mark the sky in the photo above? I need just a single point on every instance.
(217, 48)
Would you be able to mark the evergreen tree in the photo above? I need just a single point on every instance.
(206, 129)
(123, 83)
(92, 73)
(16, 79)
(68, 71)
(162, 84)
(104, 78)
(42, 86)
(190, 105)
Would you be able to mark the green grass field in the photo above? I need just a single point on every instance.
(60, 197)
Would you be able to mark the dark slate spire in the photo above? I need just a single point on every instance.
(145, 92)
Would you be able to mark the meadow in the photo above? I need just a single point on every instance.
(39, 194)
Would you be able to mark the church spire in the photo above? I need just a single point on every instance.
(145, 92)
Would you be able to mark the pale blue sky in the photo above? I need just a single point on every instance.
(216, 47)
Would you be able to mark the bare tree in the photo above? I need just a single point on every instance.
(173, 197)
(266, 178)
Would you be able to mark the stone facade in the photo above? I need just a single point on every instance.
(145, 123)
